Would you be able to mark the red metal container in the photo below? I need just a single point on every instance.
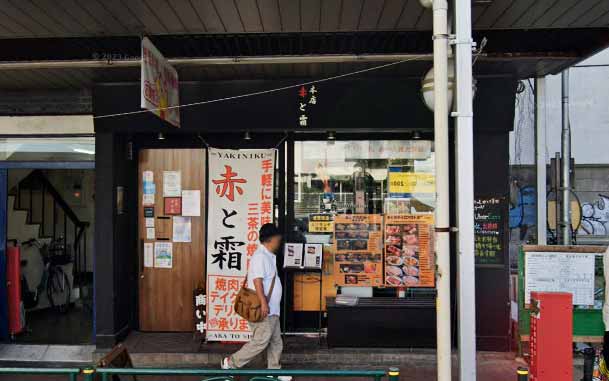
(13, 278)
(551, 336)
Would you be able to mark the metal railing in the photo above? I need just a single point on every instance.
(70, 373)
(91, 374)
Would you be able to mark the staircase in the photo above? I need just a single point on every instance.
(37, 210)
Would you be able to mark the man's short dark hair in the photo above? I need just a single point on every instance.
(268, 231)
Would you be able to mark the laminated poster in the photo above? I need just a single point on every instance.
(172, 184)
(181, 229)
(191, 203)
(313, 253)
(163, 255)
(292, 255)
(148, 188)
(409, 260)
(358, 258)
(149, 222)
(150, 233)
(148, 254)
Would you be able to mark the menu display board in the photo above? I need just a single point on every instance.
(409, 259)
(359, 251)
(490, 224)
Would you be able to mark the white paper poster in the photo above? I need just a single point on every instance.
(150, 234)
(159, 85)
(181, 229)
(313, 253)
(148, 188)
(240, 201)
(292, 254)
(148, 254)
(172, 184)
(191, 203)
(560, 272)
(149, 222)
(163, 255)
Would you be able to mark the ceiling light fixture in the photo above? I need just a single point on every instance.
(160, 136)
(416, 135)
(247, 136)
(331, 135)
(82, 150)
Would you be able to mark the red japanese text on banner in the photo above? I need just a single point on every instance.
(159, 85)
(240, 200)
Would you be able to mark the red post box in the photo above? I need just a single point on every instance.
(551, 338)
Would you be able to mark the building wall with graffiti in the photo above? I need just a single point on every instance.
(590, 202)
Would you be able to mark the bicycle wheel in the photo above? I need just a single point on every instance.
(59, 289)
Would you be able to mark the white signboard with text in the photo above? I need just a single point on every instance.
(159, 85)
(240, 201)
(560, 272)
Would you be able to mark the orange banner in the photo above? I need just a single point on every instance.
(358, 258)
(409, 259)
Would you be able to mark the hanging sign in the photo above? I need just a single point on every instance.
(159, 84)
(240, 200)
(409, 260)
(359, 250)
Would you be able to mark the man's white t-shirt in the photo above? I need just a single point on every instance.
(263, 264)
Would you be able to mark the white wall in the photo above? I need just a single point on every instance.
(589, 109)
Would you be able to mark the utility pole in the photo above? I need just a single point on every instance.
(440, 67)
(565, 178)
(540, 159)
(464, 178)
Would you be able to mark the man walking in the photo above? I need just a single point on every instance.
(262, 277)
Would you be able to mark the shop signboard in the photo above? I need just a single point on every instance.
(240, 200)
(358, 258)
(409, 260)
(490, 229)
(159, 85)
(321, 223)
(388, 149)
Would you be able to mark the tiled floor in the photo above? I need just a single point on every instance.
(51, 327)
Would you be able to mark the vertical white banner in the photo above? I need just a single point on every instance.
(240, 201)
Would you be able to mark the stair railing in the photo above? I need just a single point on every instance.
(37, 180)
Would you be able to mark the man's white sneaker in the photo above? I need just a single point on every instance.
(225, 364)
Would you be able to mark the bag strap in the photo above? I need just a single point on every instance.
(268, 297)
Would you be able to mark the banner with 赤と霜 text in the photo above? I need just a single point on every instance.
(240, 200)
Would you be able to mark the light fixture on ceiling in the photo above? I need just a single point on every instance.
(160, 136)
(416, 135)
(331, 135)
(247, 136)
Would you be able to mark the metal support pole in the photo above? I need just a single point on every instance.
(442, 212)
(565, 180)
(394, 374)
(540, 159)
(464, 177)
(522, 374)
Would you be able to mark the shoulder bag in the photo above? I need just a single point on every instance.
(248, 305)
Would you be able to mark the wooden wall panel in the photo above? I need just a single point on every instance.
(166, 295)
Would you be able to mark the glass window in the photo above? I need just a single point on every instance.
(48, 149)
(348, 193)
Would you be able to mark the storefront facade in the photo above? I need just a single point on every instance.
(336, 162)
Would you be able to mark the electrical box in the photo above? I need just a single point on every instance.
(551, 336)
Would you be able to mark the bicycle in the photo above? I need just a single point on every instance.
(53, 280)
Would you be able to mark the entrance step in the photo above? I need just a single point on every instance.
(46, 355)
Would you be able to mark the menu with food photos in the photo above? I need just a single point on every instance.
(409, 259)
(358, 258)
